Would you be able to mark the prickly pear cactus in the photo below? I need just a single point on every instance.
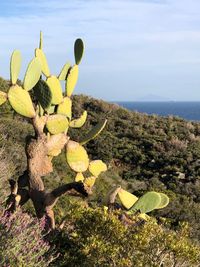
(41, 98)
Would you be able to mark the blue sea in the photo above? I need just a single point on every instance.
(185, 110)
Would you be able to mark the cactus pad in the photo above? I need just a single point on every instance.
(147, 202)
(90, 181)
(51, 109)
(96, 167)
(77, 157)
(94, 132)
(65, 108)
(32, 75)
(164, 201)
(63, 74)
(57, 124)
(127, 199)
(56, 90)
(78, 50)
(3, 98)
(56, 143)
(21, 102)
(79, 177)
(43, 94)
(43, 61)
(78, 123)
(15, 65)
(71, 80)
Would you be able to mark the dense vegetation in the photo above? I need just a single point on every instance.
(143, 153)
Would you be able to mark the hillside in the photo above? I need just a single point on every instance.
(143, 153)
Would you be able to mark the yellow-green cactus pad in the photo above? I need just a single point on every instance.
(15, 65)
(78, 50)
(63, 74)
(21, 102)
(144, 217)
(79, 177)
(164, 201)
(51, 109)
(57, 124)
(56, 90)
(127, 199)
(71, 81)
(96, 167)
(3, 98)
(56, 143)
(43, 61)
(90, 181)
(41, 40)
(78, 123)
(32, 75)
(65, 108)
(94, 132)
(147, 202)
(77, 157)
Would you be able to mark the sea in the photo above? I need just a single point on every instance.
(185, 110)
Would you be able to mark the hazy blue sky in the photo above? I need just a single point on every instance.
(133, 47)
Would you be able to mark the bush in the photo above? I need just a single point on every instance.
(22, 242)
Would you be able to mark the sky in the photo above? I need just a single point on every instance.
(133, 48)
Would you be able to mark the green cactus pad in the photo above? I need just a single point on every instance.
(63, 74)
(78, 123)
(78, 50)
(96, 167)
(15, 65)
(32, 75)
(43, 94)
(41, 40)
(3, 98)
(147, 202)
(57, 124)
(65, 108)
(71, 80)
(164, 201)
(21, 102)
(79, 177)
(77, 157)
(56, 90)
(56, 143)
(94, 132)
(127, 199)
(43, 61)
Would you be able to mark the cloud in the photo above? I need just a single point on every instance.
(145, 37)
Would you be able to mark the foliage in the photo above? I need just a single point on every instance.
(94, 237)
(22, 242)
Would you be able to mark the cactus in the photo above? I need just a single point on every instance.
(63, 74)
(127, 199)
(57, 124)
(78, 123)
(147, 203)
(79, 177)
(96, 167)
(43, 94)
(15, 65)
(78, 50)
(71, 80)
(164, 201)
(77, 157)
(21, 102)
(3, 98)
(50, 112)
(32, 75)
(65, 108)
(43, 61)
(56, 90)
(94, 132)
